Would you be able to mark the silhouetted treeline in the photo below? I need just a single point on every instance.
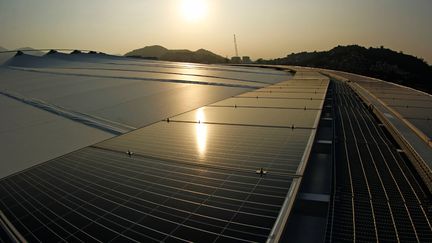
(379, 63)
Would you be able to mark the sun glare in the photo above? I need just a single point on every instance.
(201, 133)
(194, 10)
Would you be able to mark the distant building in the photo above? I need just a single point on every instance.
(246, 60)
(236, 60)
(239, 60)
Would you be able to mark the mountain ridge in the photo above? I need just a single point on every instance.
(158, 52)
(381, 63)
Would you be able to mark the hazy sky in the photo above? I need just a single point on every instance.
(264, 28)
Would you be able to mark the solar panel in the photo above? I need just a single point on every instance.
(424, 113)
(136, 75)
(409, 103)
(257, 116)
(402, 96)
(213, 174)
(424, 125)
(307, 96)
(221, 146)
(105, 192)
(291, 90)
(270, 103)
(376, 196)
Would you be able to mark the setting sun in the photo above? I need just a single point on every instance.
(193, 10)
(140, 120)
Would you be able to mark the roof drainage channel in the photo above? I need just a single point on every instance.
(308, 219)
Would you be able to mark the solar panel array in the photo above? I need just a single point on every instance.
(91, 97)
(412, 105)
(219, 173)
(377, 196)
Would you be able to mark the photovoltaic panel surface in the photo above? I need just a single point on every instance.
(219, 146)
(307, 96)
(273, 103)
(133, 75)
(84, 94)
(412, 105)
(257, 116)
(106, 195)
(182, 179)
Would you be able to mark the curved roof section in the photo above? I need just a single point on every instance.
(57, 103)
(179, 179)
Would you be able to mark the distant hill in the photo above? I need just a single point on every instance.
(148, 52)
(162, 53)
(6, 56)
(380, 63)
(32, 51)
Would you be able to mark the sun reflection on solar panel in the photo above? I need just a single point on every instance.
(201, 133)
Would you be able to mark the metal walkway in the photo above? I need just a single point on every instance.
(376, 196)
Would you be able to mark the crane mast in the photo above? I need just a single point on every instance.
(235, 45)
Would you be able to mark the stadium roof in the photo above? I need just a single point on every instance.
(59, 103)
(105, 148)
